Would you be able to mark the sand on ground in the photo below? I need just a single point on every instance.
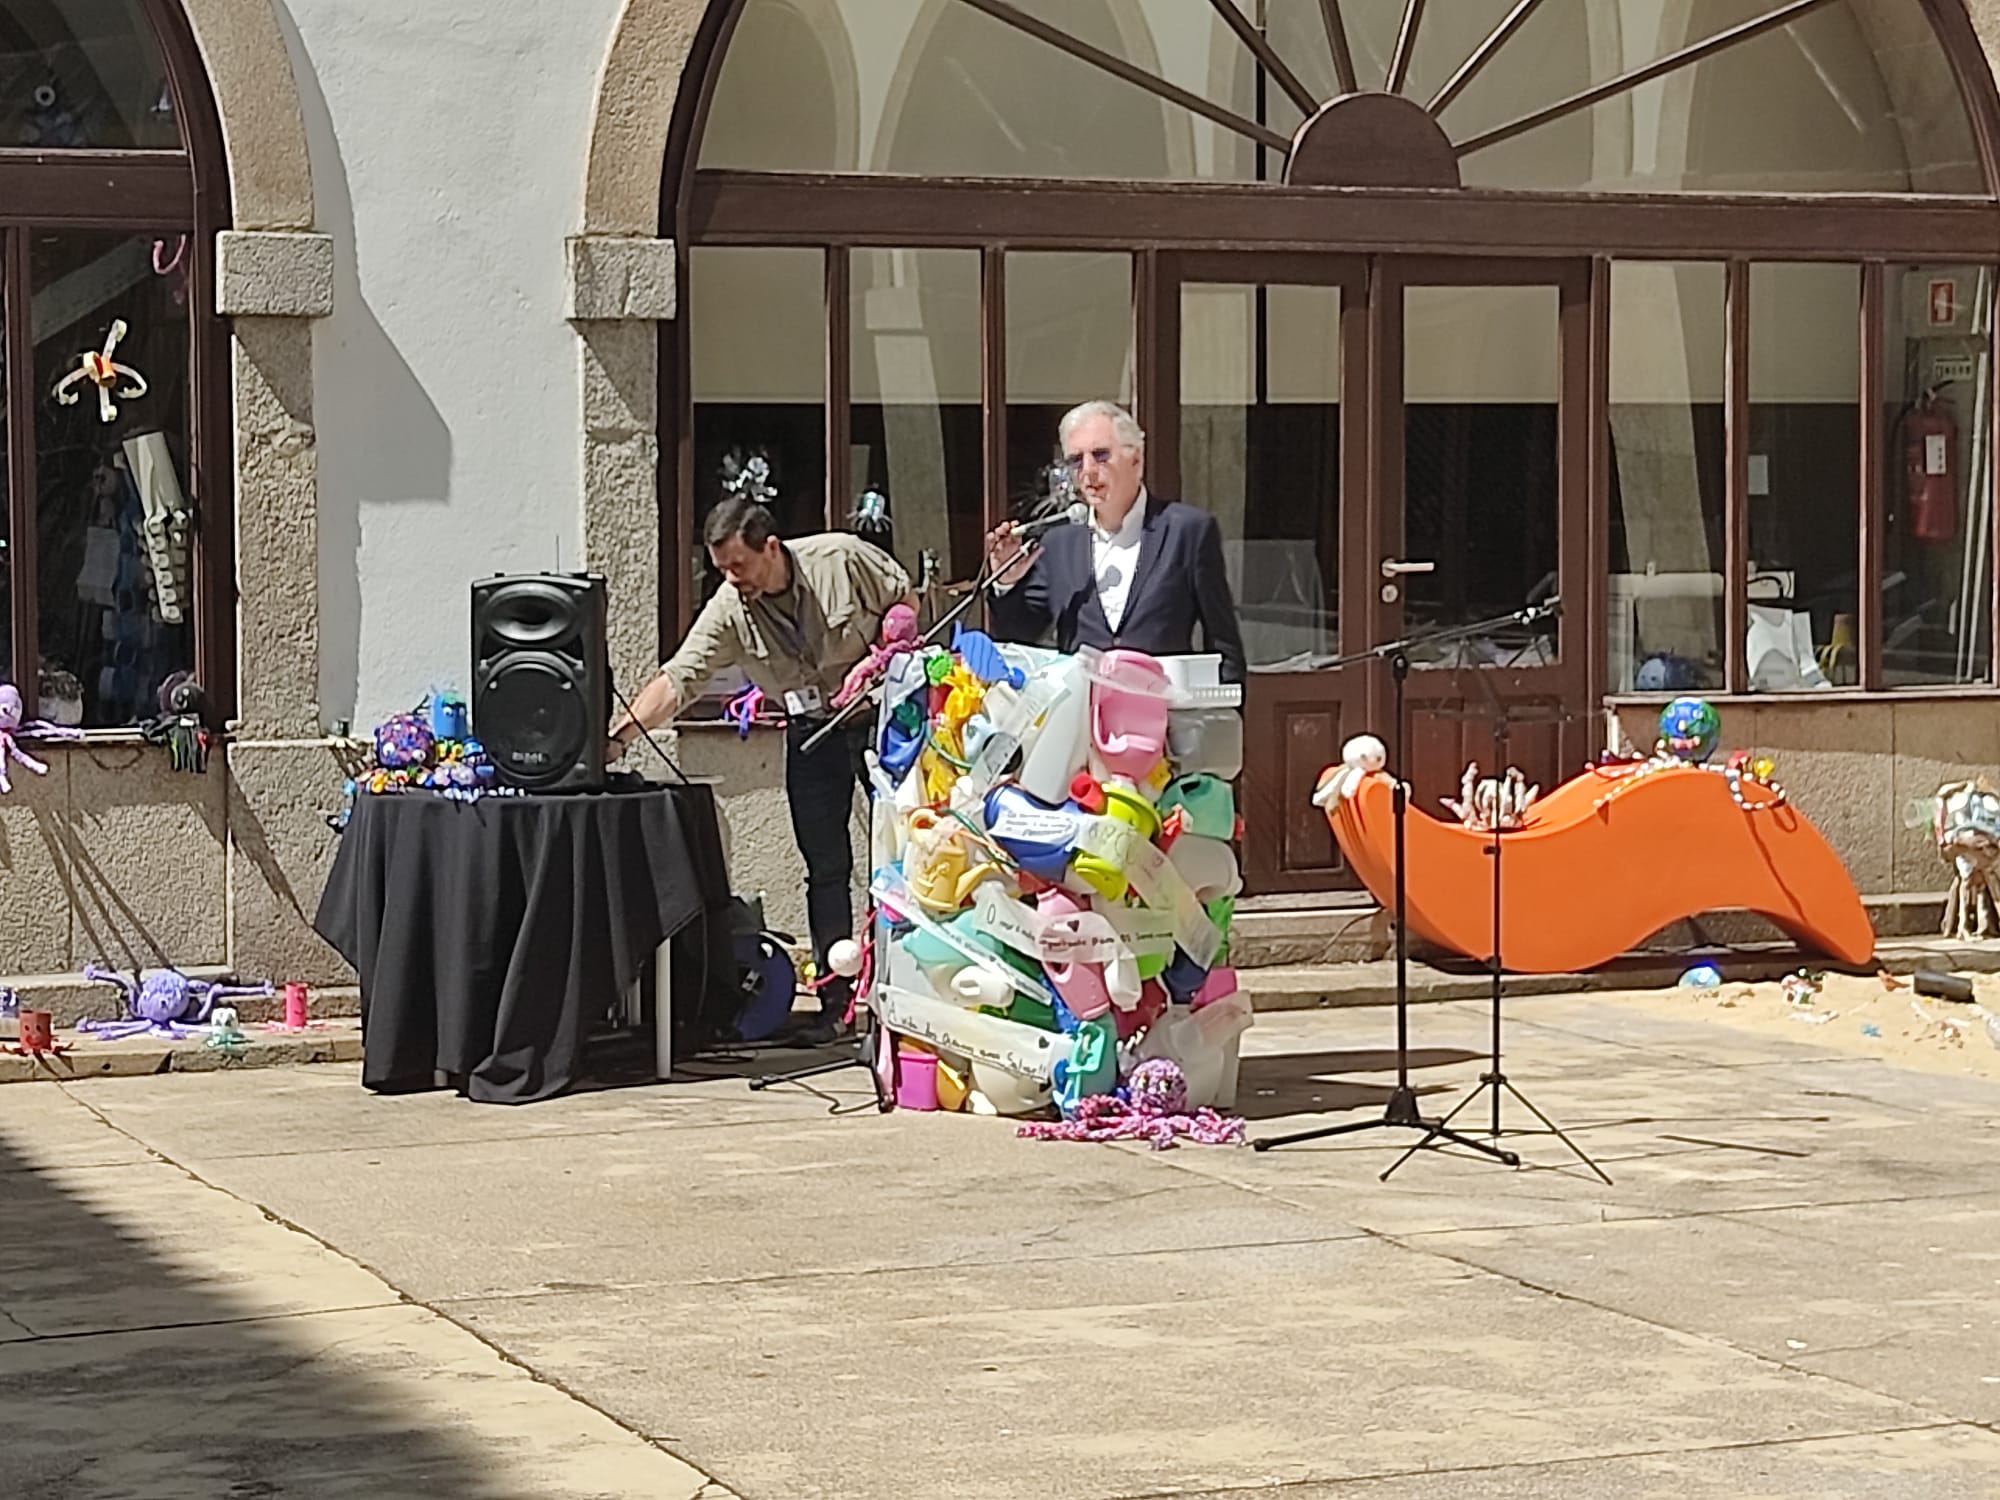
(1872, 1016)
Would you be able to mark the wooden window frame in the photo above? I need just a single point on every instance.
(1156, 222)
(182, 191)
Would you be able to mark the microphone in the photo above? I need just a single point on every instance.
(1076, 515)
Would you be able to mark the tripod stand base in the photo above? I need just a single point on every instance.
(1497, 1081)
(1401, 1112)
(864, 1044)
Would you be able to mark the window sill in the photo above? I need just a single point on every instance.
(1821, 697)
(709, 726)
(92, 738)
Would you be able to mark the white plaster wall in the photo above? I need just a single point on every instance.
(448, 142)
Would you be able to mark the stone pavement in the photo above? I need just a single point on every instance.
(237, 1284)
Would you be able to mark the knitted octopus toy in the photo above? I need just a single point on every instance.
(899, 634)
(163, 1002)
(12, 726)
(182, 725)
(1152, 1107)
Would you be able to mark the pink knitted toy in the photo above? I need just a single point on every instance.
(899, 634)
(1153, 1107)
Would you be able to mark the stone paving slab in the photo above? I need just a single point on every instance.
(1149, 1374)
(680, 1204)
(390, 1401)
(84, 1057)
(1937, 1463)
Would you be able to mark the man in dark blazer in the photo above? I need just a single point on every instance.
(1140, 575)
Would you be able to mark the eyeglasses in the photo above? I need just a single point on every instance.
(1100, 456)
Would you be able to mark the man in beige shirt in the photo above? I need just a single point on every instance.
(795, 617)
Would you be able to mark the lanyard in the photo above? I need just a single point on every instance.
(789, 629)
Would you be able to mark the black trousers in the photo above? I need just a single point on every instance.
(820, 789)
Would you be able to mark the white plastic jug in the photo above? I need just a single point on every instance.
(1206, 739)
(1057, 750)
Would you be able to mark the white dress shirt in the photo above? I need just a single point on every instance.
(1114, 557)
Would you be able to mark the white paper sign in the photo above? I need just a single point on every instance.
(1158, 883)
(1084, 938)
(892, 892)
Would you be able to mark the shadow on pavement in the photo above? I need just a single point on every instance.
(1272, 1085)
(131, 1366)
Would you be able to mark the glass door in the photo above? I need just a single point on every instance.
(1482, 504)
(1266, 432)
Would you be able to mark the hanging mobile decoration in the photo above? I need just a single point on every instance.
(748, 478)
(104, 372)
(52, 122)
(172, 267)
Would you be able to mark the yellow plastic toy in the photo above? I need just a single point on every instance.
(937, 866)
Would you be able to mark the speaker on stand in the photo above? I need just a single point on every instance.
(541, 680)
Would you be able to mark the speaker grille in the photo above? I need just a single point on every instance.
(534, 694)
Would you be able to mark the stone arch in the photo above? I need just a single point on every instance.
(273, 274)
(257, 99)
(636, 97)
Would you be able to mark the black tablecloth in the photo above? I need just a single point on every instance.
(490, 935)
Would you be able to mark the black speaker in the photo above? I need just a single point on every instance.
(540, 680)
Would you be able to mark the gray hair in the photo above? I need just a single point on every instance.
(1127, 431)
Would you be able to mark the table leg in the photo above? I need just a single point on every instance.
(663, 1010)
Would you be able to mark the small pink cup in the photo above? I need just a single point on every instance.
(295, 1007)
(916, 1079)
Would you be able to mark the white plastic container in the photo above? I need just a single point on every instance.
(1057, 750)
(1206, 739)
(1195, 681)
(1008, 1093)
(1207, 865)
(1206, 1043)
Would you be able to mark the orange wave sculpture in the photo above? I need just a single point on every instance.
(1604, 861)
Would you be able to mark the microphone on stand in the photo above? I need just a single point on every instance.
(1075, 515)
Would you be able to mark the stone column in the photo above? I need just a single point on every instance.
(620, 290)
(282, 774)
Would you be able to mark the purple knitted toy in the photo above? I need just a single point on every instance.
(1153, 1106)
(163, 1002)
(12, 725)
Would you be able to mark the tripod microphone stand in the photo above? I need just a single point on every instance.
(868, 1041)
(1401, 1110)
(1495, 1080)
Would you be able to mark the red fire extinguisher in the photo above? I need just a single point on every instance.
(1930, 462)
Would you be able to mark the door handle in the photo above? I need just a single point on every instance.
(1394, 567)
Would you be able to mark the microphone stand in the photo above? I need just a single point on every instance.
(980, 588)
(1401, 1110)
(1496, 1080)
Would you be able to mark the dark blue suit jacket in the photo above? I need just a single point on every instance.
(1179, 581)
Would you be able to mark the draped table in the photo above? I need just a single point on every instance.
(490, 934)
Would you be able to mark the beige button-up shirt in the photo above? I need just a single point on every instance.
(808, 636)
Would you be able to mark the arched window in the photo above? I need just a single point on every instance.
(1683, 309)
(118, 516)
(1751, 96)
